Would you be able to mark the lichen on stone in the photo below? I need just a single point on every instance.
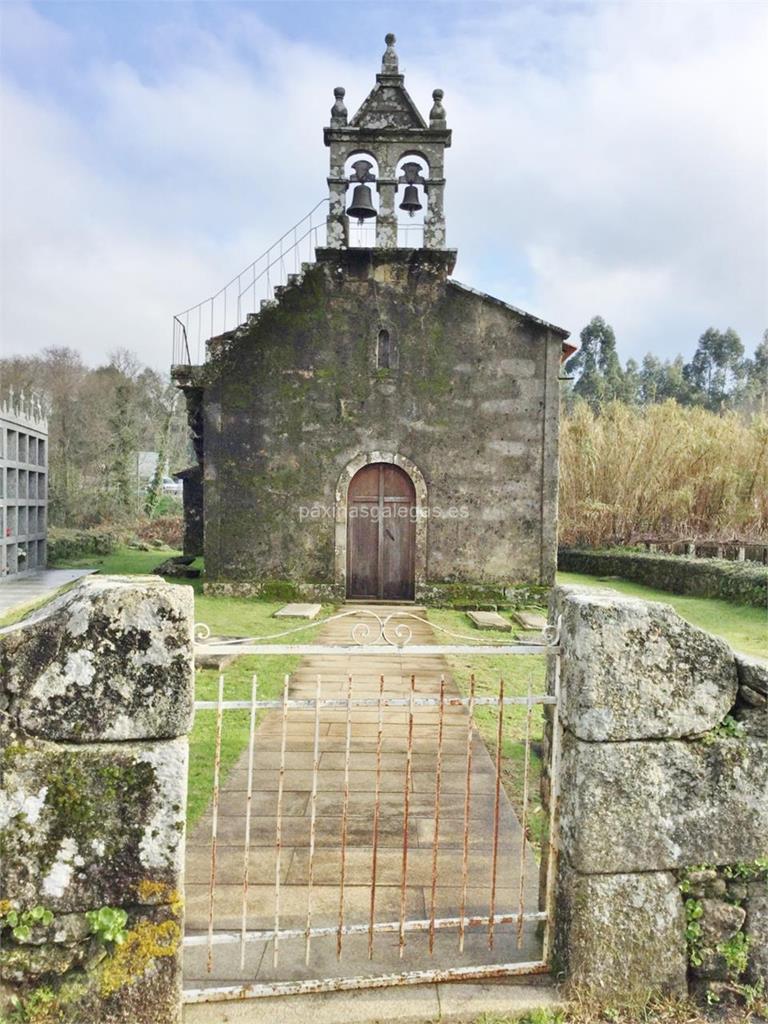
(110, 816)
(151, 893)
(144, 944)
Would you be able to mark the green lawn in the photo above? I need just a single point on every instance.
(589, 1010)
(743, 626)
(518, 673)
(123, 562)
(235, 616)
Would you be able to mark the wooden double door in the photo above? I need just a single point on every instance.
(381, 534)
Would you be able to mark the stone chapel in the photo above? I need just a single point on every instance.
(378, 430)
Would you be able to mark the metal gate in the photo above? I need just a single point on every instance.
(431, 869)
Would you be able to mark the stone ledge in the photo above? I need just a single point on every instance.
(137, 982)
(634, 670)
(649, 806)
(753, 672)
(109, 660)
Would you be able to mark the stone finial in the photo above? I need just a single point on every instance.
(338, 110)
(389, 64)
(437, 113)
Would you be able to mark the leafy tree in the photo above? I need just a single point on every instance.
(632, 383)
(660, 381)
(608, 360)
(718, 377)
(601, 377)
(97, 420)
(57, 375)
(756, 377)
(717, 368)
(673, 381)
(650, 379)
(155, 489)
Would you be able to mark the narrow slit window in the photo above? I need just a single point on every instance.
(385, 351)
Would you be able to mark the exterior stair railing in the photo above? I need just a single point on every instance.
(231, 305)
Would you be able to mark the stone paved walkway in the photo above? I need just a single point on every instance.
(18, 591)
(366, 671)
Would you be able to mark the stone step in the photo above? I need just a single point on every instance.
(398, 1004)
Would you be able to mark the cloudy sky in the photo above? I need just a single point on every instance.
(607, 158)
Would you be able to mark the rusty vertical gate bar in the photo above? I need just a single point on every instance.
(441, 755)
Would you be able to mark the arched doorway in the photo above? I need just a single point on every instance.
(381, 533)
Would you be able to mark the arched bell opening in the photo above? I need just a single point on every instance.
(362, 209)
(411, 200)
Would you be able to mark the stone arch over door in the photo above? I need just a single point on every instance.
(342, 509)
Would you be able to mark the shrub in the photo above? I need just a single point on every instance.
(168, 529)
(65, 544)
(740, 582)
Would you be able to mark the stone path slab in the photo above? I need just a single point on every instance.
(326, 863)
(298, 611)
(490, 620)
(17, 591)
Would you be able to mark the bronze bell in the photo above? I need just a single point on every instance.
(410, 200)
(362, 204)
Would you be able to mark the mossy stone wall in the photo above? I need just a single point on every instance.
(96, 690)
(664, 767)
(471, 399)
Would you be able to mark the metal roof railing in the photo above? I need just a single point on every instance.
(229, 307)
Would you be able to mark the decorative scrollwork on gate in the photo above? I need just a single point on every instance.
(397, 635)
(389, 629)
(551, 632)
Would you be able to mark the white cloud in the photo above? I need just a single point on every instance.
(634, 176)
(606, 159)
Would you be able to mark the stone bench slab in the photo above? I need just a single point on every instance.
(530, 620)
(490, 620)
(298, 611)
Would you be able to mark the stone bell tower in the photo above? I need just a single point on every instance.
(383, 134)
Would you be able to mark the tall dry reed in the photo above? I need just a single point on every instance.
(663, 470)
